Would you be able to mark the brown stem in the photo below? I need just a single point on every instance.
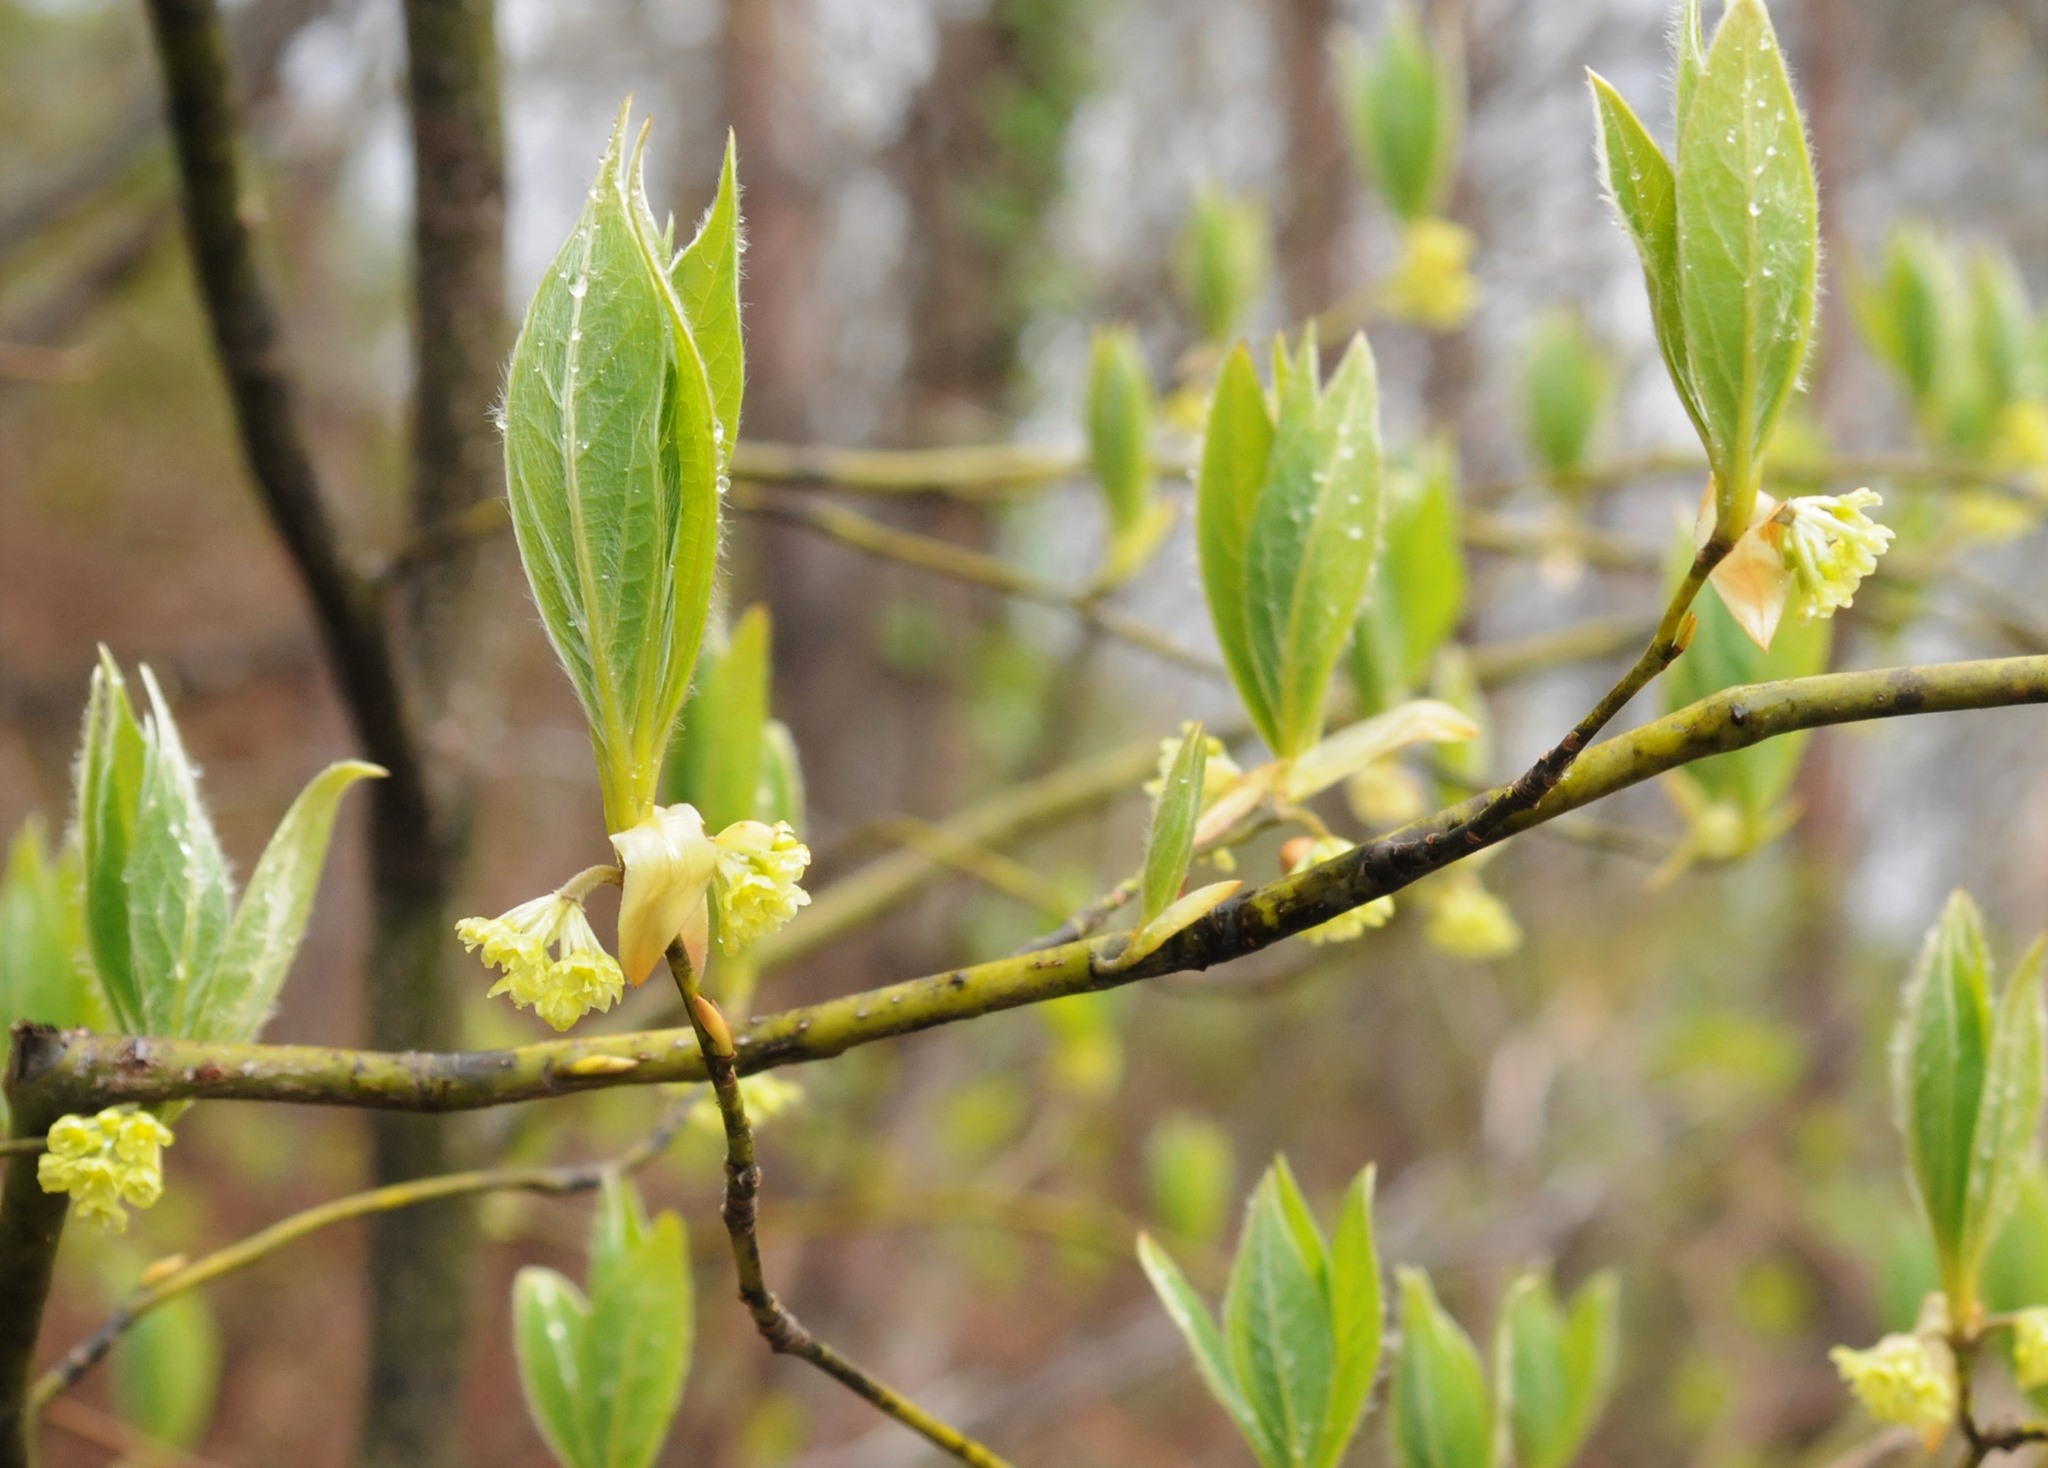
(785, 1334)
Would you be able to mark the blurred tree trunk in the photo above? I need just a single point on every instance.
(1309, 237)
(421, 1259)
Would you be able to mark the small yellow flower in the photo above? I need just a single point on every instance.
(1433, 285)
(1467, 921)
(2030, 1348)
(562, 986)
(1219, 770)
(1904, 1380)
(1301, 855)
(105, 1161)
(759, 867)
(1829, 546)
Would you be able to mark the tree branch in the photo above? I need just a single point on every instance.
(785, 1334)
(73, 1071)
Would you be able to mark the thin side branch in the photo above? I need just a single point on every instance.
(785, 1334)
(581, 1177)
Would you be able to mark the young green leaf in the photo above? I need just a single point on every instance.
(1940, 1058)
(242, 984)
(1565, 383)
(1692, 58)
(780, 795)
(1356, 746)
(1910, 315)
(1235, 448)
(1189, 1164)
(1171, 843)
(720, 752)
(1120, 427)
(1404, 104)
(549, 1320)
(1441, 1418)
(1212, 1357)
(1276, 1323)
(1222, 261)
(2009, 1120)
(1644, 189)
(1312, 540)
(613, 469)
(1357, 1322)
(1748, 249)
(1418, 591)
(636, 1348)
(166, 1371)
(602, 1375)
(110, 772)
(1551, 1372)
(180, 897)
(706, 278)
(45, 969)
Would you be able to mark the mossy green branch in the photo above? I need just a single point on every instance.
(56, 1072)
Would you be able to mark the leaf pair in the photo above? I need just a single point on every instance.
(620, 415)
(1222, 260)
(1729, 239)
(1968, 1079)
(603, 1372)
(1957, 331)
(1288, 527)
(1294, 1358)
(1553, 1369)
(1566, 381)
(730, 759)
(1404, 104)
(1120, 452)
(176, 953)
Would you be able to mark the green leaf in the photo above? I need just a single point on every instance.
(1222, 260)
(549, 1320)
(2009, 1121)
(1909, 316)
(1758, 779)
(1940, 1058)
(636, 1347)
(780, 795)
(1441, 1418)
(1313, 538)
(1592, 1350)
(1692, 58)
(1418, 593)
(1189, 1164)
(270, 920)
(180, 896)
(1235, 448)
(613, 472)
(1170, 845)
(1565, 382)
(1120, 427)
(721, 750)
(1276, 1322)
(166, 1371)
(1404, 104)
(1640, 180)
(706, 278)
(1357, 1322)
(1748, 248)
(110, 771)
(1212, 1357)
(45, 970)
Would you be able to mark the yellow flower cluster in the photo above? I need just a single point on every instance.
(2030, 1348)
(1467, 921)
(1829, 546)
(759, 867)
(1345, 926)
(1433, 284)
(561, 986)
(105, 1161)
(1904, 1380)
